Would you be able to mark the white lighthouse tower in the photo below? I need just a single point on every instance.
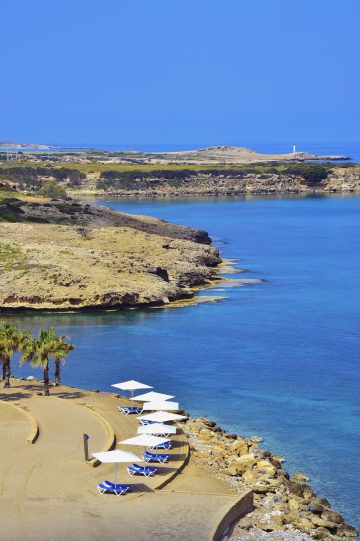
(294, 149)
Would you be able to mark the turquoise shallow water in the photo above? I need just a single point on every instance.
(278, 359)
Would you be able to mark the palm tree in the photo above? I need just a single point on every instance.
(63, 349)
(11, 341)
(40, 350)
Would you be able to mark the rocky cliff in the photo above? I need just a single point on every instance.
(228, 182)
(68, 256)
(174, 180)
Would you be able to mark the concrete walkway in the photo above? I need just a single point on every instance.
(48, 494)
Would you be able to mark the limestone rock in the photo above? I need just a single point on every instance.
(346, 530)
(332, 516)
(299, 476)
(58, 267)
(256, 439)
(316, 508)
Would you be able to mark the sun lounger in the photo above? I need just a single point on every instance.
(110, 484)
(165, 446)
(155, 457)
(147, 471)
(144, 422)
(111, 488)
(129, 410)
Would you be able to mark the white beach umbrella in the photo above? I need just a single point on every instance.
(131, 385)
(157, 428)
(145, 440)
(116, 457)
(162, 417)
(151, 397)
(158, 405)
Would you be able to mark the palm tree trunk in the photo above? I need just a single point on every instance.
(3, 367)
(46, 379)
(57, 373)
(6, 372)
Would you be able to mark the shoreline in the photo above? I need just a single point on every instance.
(79, 194)
(282, 502)
(284, 505)
(187, 299)
(90, 258)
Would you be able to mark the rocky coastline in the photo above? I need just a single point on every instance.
(339, 180)
(69, 256)
(285, 507)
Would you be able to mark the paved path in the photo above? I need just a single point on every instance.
(48, 494)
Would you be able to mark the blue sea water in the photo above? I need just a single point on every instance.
(279, 359)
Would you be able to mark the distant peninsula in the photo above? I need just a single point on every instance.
(12, 145)
(211, 171)
(209, 155)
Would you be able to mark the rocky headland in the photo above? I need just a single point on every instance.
(285, 507)
(220, 154)
(226, 182)
(64, 255)
(103, 178)
(223, 154)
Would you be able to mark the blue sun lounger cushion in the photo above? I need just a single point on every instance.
(155, 457)
(165, 446)
(107, 488)
(128, 410)
(147, 471)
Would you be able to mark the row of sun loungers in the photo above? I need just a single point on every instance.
(107, 487)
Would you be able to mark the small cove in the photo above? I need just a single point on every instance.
(278, 359)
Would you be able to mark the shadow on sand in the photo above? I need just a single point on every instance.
(14, 397)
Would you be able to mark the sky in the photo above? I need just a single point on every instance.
(179, 71)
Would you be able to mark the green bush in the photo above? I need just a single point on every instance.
(51, 189)
(312, 173)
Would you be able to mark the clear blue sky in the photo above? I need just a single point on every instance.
(179, 71)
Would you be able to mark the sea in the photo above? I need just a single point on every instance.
(277, 358)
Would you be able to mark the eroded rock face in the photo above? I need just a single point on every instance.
(339, 180)
(281, 504)
(100, 266)
(87, 216)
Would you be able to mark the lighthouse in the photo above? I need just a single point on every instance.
(294, 149)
